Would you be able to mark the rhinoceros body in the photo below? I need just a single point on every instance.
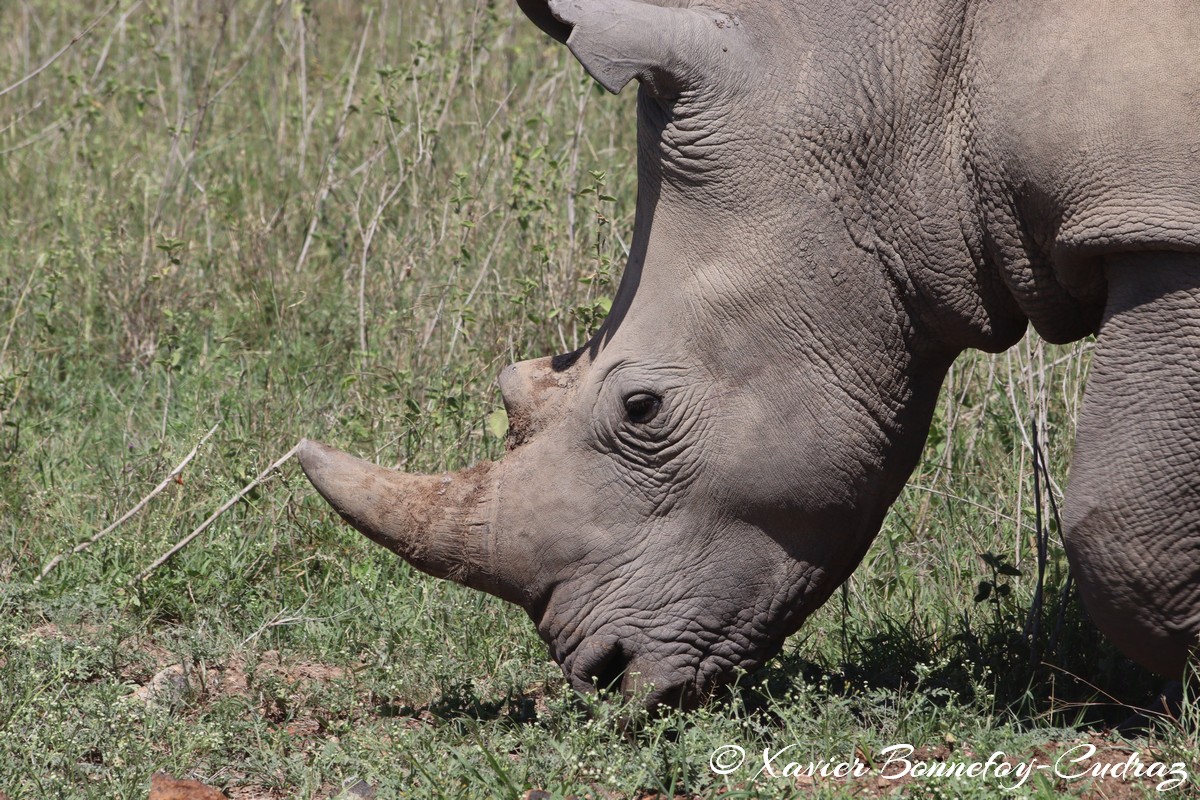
(834, 201)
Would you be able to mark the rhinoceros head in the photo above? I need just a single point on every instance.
(684, 490)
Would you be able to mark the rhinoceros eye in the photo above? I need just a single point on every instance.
(642, 407)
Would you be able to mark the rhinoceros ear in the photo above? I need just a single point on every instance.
(539, 12)
(669, 49)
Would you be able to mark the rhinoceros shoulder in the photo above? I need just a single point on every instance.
(1083, 121)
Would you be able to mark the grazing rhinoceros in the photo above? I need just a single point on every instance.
(835, 199)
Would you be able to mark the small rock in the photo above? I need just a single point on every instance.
(170, 686)
(359, 791)
(167, 688)
(164, 787)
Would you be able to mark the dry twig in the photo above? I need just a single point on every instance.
(171, 476)
(165, 557)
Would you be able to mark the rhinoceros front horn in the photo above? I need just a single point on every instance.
(669, 49)
(441, 524)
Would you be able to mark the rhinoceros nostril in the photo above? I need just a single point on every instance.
(676, 696)
(600, 665)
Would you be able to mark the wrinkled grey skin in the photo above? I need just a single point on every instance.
(835, 199)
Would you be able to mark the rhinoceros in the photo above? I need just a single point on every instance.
(835, 199)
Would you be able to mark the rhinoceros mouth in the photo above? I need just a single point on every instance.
(685, 679)
(609, 667)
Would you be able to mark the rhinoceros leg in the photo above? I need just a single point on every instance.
(1133, 503)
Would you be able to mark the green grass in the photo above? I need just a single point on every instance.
(341, 220)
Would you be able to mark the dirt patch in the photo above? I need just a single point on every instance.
(74, 634)
(47, 631)
(237, 678)
(231, 676)
(256, 793)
